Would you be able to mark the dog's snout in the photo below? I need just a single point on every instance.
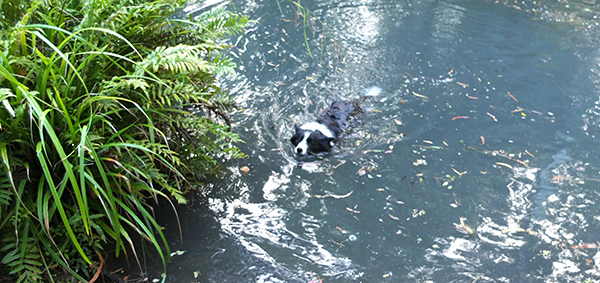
(299, 151)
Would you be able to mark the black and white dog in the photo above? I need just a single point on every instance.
(321, 136)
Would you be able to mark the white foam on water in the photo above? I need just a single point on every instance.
(373, 91)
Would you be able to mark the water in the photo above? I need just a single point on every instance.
(488, 111)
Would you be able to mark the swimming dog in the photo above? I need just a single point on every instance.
(321, 135)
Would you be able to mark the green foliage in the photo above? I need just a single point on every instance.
(105, 106)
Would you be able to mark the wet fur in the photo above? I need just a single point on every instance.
(321, 136)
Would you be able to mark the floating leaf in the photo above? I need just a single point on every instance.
(463, 227)
(460, 117)
(177, 253)
(419, 95)
(352, 210)
(585, 246)
(340, 196)
(504, 164)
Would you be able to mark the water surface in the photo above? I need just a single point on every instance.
(488, 111)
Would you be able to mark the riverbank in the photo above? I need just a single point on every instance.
(106, 107)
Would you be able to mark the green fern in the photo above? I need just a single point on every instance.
(22, 255)
(219, 23)
(176, 59)
(104, 107)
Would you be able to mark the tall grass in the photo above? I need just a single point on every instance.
(106, 105)
(304, 17)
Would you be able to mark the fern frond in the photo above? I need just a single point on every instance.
(124, 83)
(176, 59)
(24, 258)
(223, 63)
(218, 23)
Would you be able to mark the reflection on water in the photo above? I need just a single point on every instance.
(488, 110)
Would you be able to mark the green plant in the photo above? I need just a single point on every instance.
(106, 106)
(303, 15)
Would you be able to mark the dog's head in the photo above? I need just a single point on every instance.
(310, 142)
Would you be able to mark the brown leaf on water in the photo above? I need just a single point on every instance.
(341, 230)
(529, 153)
(245, 169)
(521, 162)
(352, 210)
(585, 246)
(459, 173)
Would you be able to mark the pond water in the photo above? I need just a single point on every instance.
(488, 112)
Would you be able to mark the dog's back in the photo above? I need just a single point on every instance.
(337, 116)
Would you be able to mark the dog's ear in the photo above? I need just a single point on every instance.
(296, 137)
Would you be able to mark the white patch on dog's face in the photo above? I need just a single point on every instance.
(302, 147)
(314, 126)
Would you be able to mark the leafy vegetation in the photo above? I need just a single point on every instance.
(106, 106)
